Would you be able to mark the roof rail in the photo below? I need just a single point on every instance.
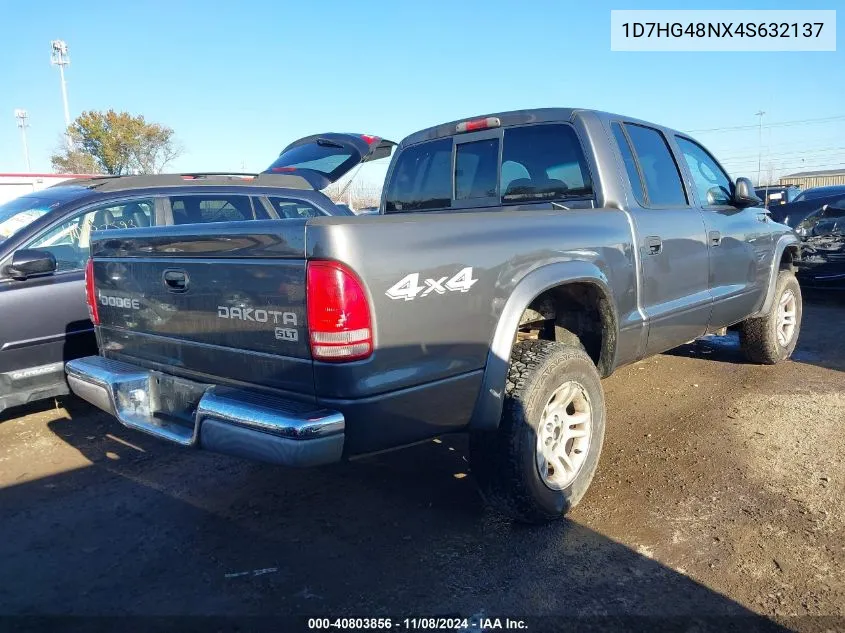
(108, 182)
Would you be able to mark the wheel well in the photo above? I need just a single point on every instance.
(789, 257)
(573, 313)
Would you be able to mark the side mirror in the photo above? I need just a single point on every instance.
(744, 195)
(28, 262)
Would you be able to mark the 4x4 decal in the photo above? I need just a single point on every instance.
(409, 287)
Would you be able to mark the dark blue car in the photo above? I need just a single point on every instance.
(44, 239)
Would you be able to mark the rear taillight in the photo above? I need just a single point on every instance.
(90, 295)
(338, 313)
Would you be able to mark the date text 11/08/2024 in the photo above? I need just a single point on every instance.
(418, 624)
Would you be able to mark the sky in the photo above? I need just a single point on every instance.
(238, 81)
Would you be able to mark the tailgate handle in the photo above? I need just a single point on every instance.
(175, 280)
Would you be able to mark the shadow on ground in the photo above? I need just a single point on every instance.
(149, 529)
(824, 316)
(39, 406)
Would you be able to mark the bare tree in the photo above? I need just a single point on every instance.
(357, 195)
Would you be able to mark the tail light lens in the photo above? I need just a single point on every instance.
(478, 124)
(338, 313)
(90, 295)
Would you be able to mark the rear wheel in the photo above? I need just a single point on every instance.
(541, 460)
(772, 338)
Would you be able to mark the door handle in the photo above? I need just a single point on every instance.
(653, 245)
(175, 280)
(715, 238)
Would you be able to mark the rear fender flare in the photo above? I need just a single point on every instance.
(488, 407)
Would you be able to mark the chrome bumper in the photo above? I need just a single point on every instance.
(220, 419)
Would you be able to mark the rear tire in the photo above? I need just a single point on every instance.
(772, 337)
(541, 460)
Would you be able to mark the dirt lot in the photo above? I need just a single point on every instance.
(719, 494)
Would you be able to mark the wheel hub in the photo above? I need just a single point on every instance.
(563, 435)
(787, 316)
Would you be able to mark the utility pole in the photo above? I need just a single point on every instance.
(760, 149)
(59, 57)
(21, 116)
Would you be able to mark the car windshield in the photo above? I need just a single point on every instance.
(20, 212)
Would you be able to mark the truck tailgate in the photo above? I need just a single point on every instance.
(219, 303)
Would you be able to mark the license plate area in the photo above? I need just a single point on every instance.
(174, 399)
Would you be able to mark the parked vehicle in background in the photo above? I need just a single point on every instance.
(519, 258)
(818, 217)
(774, 195)
(44, 246)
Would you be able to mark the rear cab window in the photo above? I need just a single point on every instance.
(512, 166)
(422, 178)
(543, 162)
(476, 169)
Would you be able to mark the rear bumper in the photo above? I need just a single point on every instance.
(224, 420)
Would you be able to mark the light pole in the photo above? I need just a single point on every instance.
(59, 57)
(760, 150)
(21, 116)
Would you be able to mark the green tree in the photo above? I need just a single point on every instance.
(118, 143)
(73, 162)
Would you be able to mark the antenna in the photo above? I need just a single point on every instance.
(760, 147)
(21, 116)
(59, 57)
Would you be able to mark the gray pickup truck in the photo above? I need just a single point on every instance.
(516, 260)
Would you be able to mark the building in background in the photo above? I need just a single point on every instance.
(14, 185)
(808, 179)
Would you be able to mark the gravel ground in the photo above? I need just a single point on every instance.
(719, 497)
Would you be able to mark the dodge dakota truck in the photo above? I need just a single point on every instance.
(517, 259)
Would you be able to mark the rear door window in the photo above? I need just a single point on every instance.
(660, 171)
(630, 163)
(290, 209)
(422, 178)
(543, 162)
(207, 208)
